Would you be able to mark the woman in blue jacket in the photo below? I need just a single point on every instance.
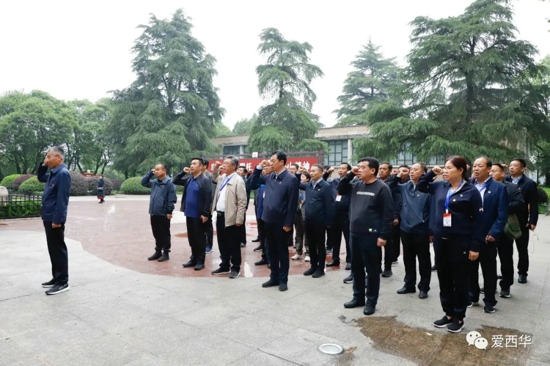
(458, 234)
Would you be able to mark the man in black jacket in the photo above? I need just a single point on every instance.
(371, 216)
(528, 217)
(195, 203)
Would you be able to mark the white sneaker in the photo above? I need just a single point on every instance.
(307, 258)
(295, 257)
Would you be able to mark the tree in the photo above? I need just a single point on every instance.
(287, 123)
(171, 110)
(373, 80)
(223, 130)
(30, 124)
(244, 126)
(462, 88)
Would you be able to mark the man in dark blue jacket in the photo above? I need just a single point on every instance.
(161, 205)
(279, 208)
(55, 201)
(196, 202)
(528, 217)
(495, 216)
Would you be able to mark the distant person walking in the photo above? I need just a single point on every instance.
(161, 205)
(55, 202)
(101, 189)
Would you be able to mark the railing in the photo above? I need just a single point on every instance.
(15, 206)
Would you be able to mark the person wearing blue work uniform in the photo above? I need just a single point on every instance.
(260, 190)
(55, 202)
(458, 236)
(495, 216)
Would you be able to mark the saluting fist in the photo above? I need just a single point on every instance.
(437, 170)
(186, 169)
(264, 163)
(355, 170)
(217, 164)
(330, 170)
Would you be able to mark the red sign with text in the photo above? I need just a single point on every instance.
(252, 163)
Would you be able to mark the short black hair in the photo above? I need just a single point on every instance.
(295, 165)
(234, 160)
(200, 160)
(307, 175)
(280, 155)
(162, 165)
(326, 167)
(404, 166)
(422, 166)
(487, 160)
(347, 165)
(205, 162)
(501, 167)
(390, 167)
(521, 162)
(373, 164)
(318, 166)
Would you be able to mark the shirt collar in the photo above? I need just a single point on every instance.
(55, 170)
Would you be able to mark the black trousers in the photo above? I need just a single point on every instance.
(366, 255)
(161, 231)
(229, 244)
(453, 268)
(340, 226)
(488, 260)
(277, 249)
(241, 231)
(522, 243)
(505, 248)
(392, 247)
(209, 232)
(329, 239)
(197, 239)
(315, 236)
(417, 246)
(58, 253)
(263, 241)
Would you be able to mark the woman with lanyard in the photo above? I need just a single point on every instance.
(457, 236)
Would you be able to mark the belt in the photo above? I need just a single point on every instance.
(220, 213)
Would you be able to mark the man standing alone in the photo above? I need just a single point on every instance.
(161, 205)
(55, 202)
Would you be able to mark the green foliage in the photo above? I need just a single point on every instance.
(13, 207)
(19, 180)
(92, 185)
(244, 126)
(172, 109)
(31, 185)
(285, 78)
(8, 181)
(223, 130)
(133, 186)
(79, 186)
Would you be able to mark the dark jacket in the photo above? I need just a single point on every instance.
(465, 207)
(259, 198)
(529, 191)
(281, 197)
(495, 208)
(55, 199)
(163, 195)
(319, 202)
(205, 191)
(515, 198)
(415, 212)
(341, 202)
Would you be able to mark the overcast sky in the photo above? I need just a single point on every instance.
(81, 50)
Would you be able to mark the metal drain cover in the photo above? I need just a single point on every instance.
(331, 349)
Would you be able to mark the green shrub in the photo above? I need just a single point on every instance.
(13, 207)
(31, 185)
(19, 180)
(92, 185)
(133, 186)
(79, 186)
(8, 181)
(116, 184)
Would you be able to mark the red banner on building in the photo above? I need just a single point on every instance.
(251, 163)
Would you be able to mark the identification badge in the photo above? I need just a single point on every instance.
(447, 220)
(338, 198)
(263, 195)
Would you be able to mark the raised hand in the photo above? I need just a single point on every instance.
(355, 170)
(437, 170)
(264, 163)
(186, 170)
(330, 170)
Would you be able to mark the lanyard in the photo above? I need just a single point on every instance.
(226, 180)
(450, 193)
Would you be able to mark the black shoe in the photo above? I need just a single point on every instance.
(423, 295)
(261, 262)
(270, 283)
(499, 277)
(258, 248)
(348, 279)
(199, 266)
(49, 284)
(318, 273)
(434, 268)
(354, 303)
(522, 279)
(489, 309)
(243, 245)
(220, 271)
(155, 256)
(310, 271)
(505, 294)
(456, 326)
(164, 257)
(443, 322)
(348, 266)
(256, 240)
(333, 264)
(404, 290)
(369, 309)
(387, 273)
(189, 264)
(473, 303)
(234, 274)
(57, 289)
(283, 286)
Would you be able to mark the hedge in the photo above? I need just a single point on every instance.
(31, 185)
(16, 206)
(133, 186)
(92, 185)
(79, 186)
(19, 180)
(8, 181)
(116, 184)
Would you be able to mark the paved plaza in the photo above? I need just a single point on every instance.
(124, 310)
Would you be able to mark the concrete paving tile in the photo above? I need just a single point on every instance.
(210, 315)
(261, 358)
(146, 359)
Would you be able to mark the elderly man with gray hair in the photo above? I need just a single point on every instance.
(55, 201)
